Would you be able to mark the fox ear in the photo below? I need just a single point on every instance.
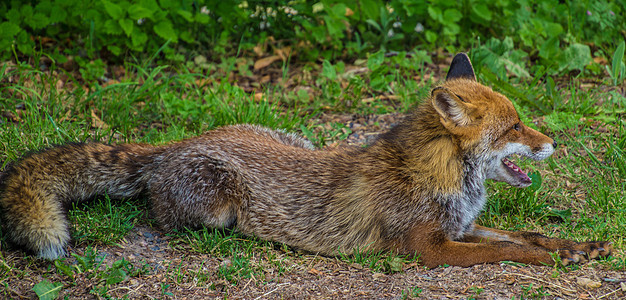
(452, 109)
(461, 67)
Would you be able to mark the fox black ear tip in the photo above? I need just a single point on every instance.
(461, 55)
(461, 67)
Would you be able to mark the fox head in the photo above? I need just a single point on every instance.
(486, 125)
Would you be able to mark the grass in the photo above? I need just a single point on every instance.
(578, 193)
(101, 221)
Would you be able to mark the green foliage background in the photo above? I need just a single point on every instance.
(552, 36)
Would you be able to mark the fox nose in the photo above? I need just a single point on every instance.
(554, 144)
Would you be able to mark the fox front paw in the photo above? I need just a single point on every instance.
(584, 252)
(572, 257)
(596, 249)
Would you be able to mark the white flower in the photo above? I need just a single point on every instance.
(419, 27)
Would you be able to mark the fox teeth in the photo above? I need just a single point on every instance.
(515, 169)
(511, 165)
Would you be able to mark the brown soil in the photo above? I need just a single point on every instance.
(189, 275)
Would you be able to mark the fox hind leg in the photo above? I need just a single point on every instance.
(200, 192)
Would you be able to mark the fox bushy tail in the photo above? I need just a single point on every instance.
(36, 191)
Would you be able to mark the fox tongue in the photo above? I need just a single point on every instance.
(516, 171)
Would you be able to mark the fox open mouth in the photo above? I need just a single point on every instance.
(516, 171)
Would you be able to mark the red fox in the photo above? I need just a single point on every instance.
(416, 190)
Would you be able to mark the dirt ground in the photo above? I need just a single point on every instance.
(309, 277)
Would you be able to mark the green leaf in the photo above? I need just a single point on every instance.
(482, 11)
(451, 29)
(47, 290)
(393, 265)
(127, 25)
(137, 12)
(550, 48)
(139, 39)
(370, 8)
(57, 14)
(115, 50)
(338, 11)
(375, 60)
(452, 15)
(44, 6)
(431, 37)
(536, 181)
(165, 30)
(319, 33)
(24, 43)
(114, 10)
(328, 70)
(165, 4)
(39, 21)
(202, 18)
(553, 29)
(616, 64)
(8, 30)
(26, 11)
(563, 214)
(435, 13)
(374, 24)
(576, 56)
(112, 27)
(116, 275)
(13, 16)
(63, 268)
(335, 27)
(187, 37)
(186, 15)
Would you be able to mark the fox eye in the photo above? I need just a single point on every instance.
(516, 127)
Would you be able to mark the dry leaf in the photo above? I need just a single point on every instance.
(118, 71)
(67, 116)
(378, 276)
(97, 122)
(508, 279)
(258, 96)
(259, 50)
(226, 263)
(199, 59)
(315, 272)
(203, 82)
(349, 12)
(284, 53)
(110, 82)
(381, 97)
(600, 60)
(11, 116)
(265, 79)
(588, 283)
(266, 61)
